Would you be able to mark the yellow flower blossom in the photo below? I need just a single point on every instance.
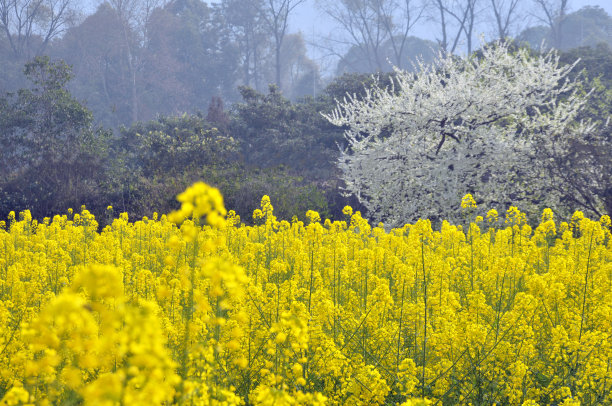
(468, 202)
(191, 309)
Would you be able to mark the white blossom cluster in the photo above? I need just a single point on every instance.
(461, 125)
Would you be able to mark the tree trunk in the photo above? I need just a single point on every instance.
(278, 63)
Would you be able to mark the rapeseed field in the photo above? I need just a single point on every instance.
(196, 308)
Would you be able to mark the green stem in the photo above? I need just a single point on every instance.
(584, 293)
(424, 313)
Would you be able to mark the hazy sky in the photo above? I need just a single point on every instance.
(316, 26)
(307, 18)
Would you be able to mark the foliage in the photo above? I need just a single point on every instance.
(415, 49)
(52, 152)
(586, 27)
(462, 125)
(157, 159)
(243, 187)
(191, 58)
(208, 310)
(134, 60)
(356, 84)
(96, 49)
(582, 165)
(582, 170)
(175, 144)
(273, 131)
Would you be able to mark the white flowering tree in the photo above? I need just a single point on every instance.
(457, 126)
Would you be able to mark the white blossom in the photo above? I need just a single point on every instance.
(455, 127)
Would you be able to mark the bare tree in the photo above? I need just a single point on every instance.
(276, 15)
(373, 26)
(445, 12)
(361, 28)
(134, 16)
(246, 23)
(505, 13)
(399, 18)
(30, 25)
(464, 13)
(553, 13)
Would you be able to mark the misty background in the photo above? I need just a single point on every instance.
(134, 59)
(125, 102)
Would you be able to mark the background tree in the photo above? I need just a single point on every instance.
(247, 24)
(465, 13)
(217, 115)
(134, 16)
(159, 158)
(414, 49)
(276, 13)
(457, 19)
(364, 27)
(294, 140)
(505, 14)
(581, 168)
(588, 26)
(273, 131)
(53, 156)
(171, 145)
(30, 25)
(370, 33)
(190, 58)
(552, 13)
(301, 76)
(356, 86)
(399, 19)
(461, 126)
(94, 50)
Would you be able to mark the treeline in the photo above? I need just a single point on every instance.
(135, 59)
(54, 157)
(142, 97)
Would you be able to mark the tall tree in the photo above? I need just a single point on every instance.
(300, 74)
(134, 16)
(456, 18)
(187, 57)
(95, 49)
(29, 25)
(276, 15)
(505, 13)
(399, 18)
(52, 155)
(362, 29)
(467, 16)
(247, 24)
(373, 27)
(553, 14)
(588, 26)
(460, 126)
